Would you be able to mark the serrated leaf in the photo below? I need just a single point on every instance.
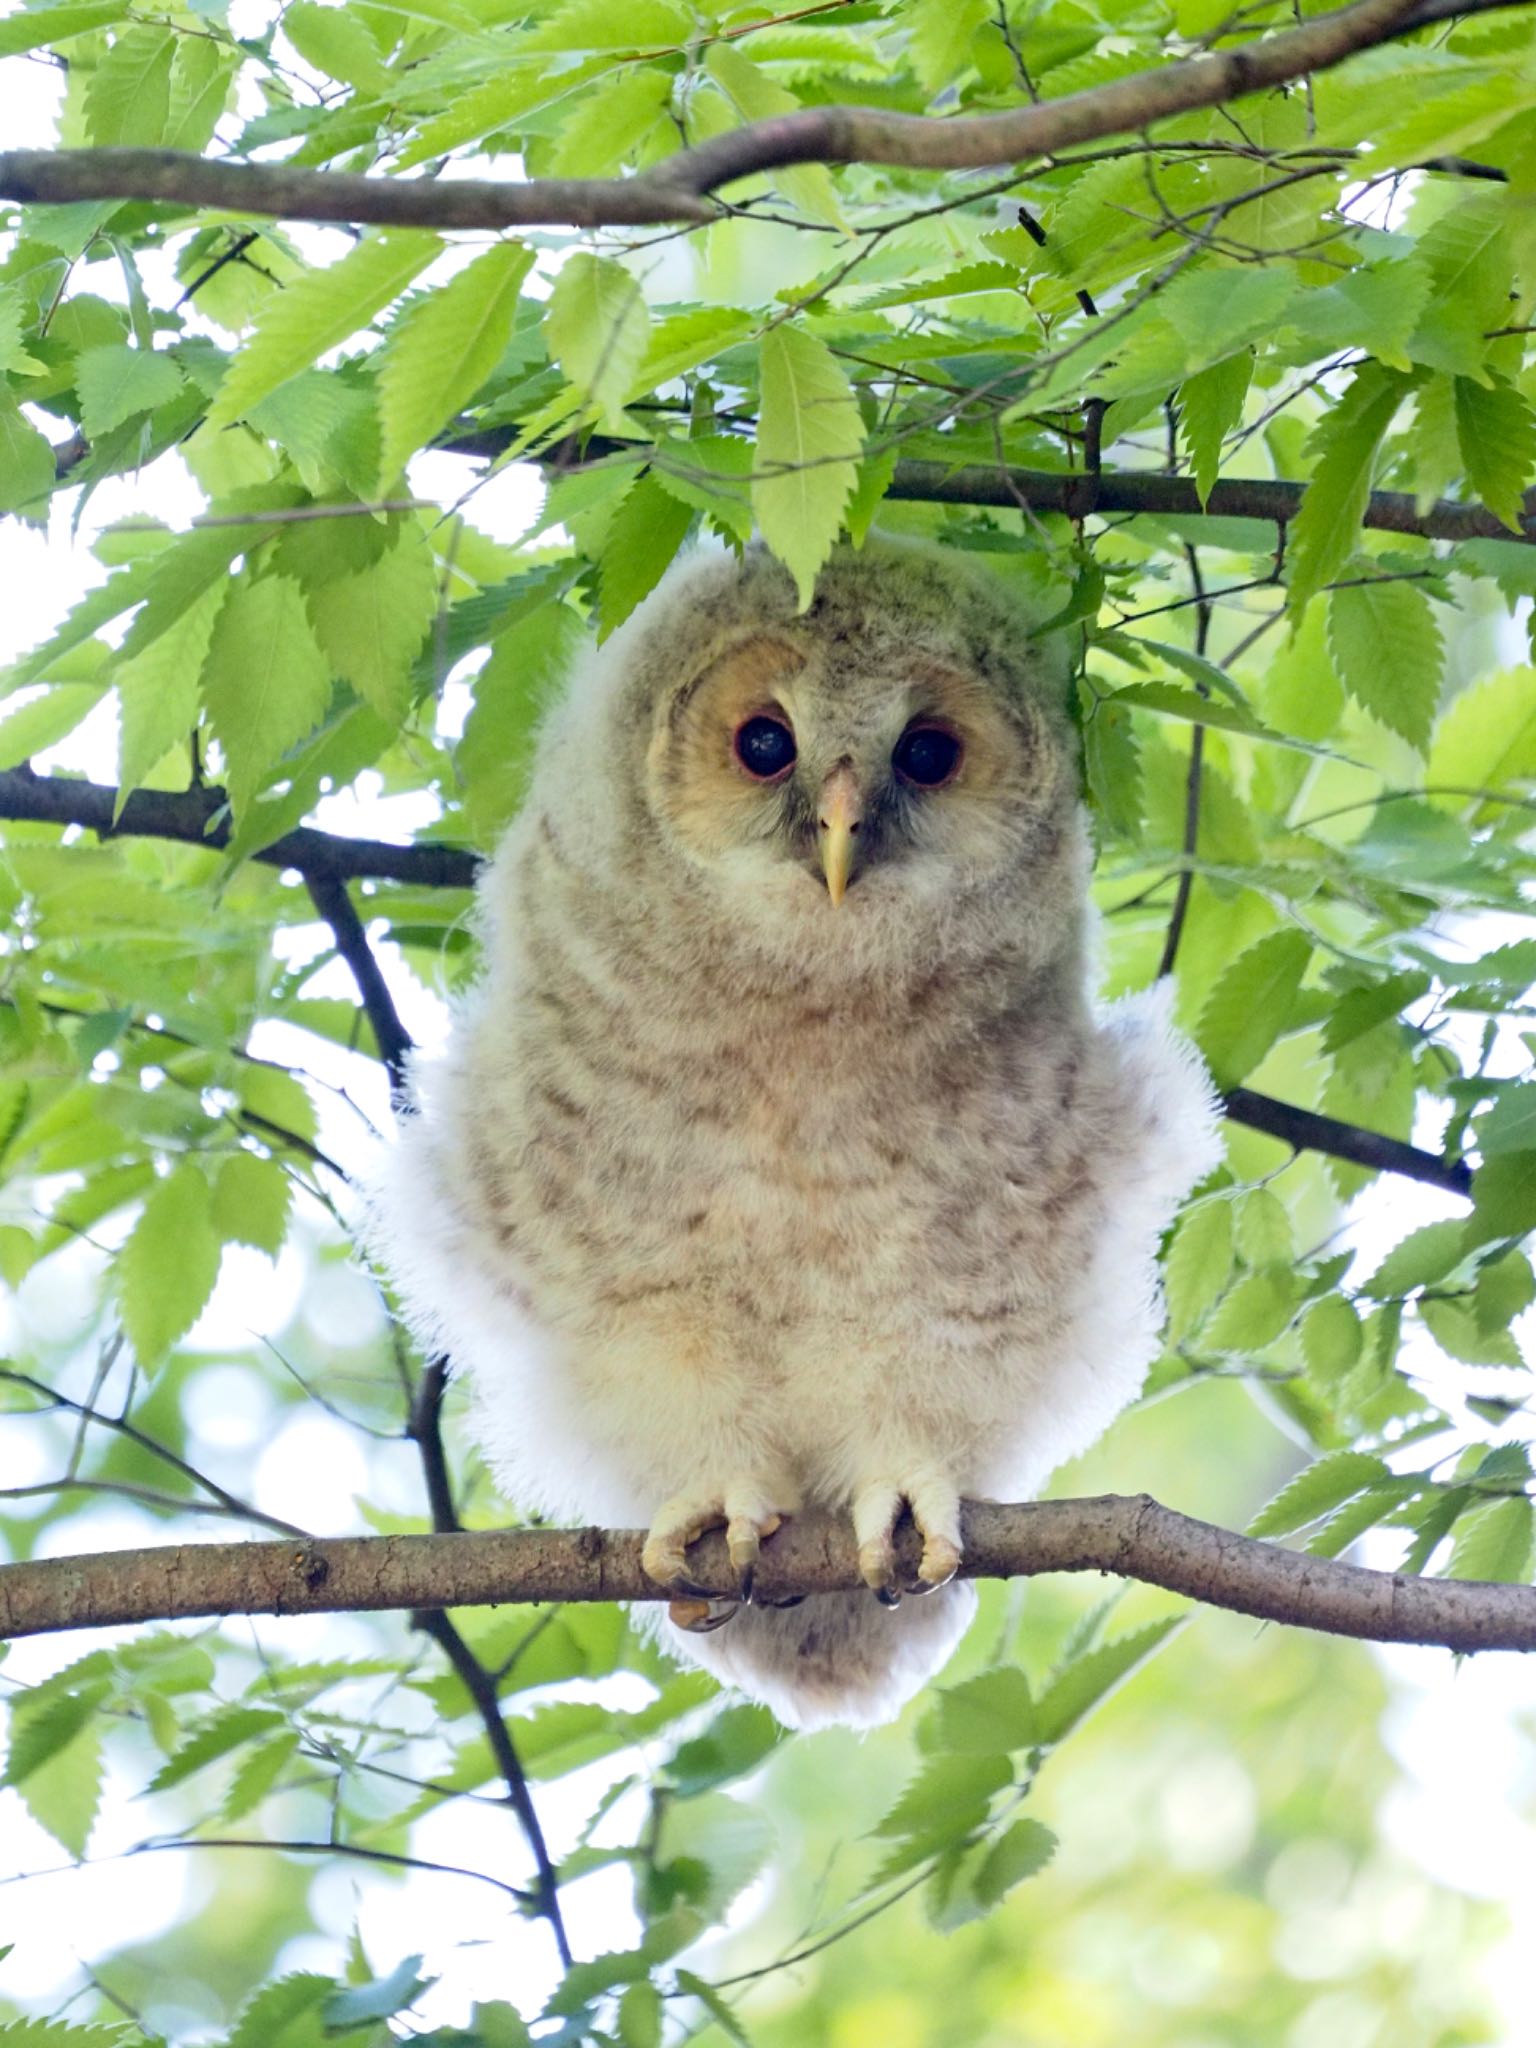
(1323, 1486)
(1022, 1851)
(1210, 406)
(1332, 1339)
(1494, 1542)
(1197, 1267)
(316, 312)
(1510, 1126)
(129, 93)
(371, 626)
(940, 35)
(1251, 1005)
(285, 2014)
(257, 1772)
(266, 682)
(987, 1715)
(715, 2005)
(63, 1793)
(337, 43)
(1112, 767)
(115, 382)
(1345, 442)
(251, 1199)
(1264, 1235)
(757, 97)
(1254, 1312)
(157, 692)
(642, 541)
(948, 1797)
(711, 474)
(640, 2017)
(26, 729)
(1385, 643)
(1424, 1256)
(26, 459)
(1497, 432)
(441, 351)
(1505, 1288)
(166, 1270)
(1455, 1328)
(1088, 1680)
(808, 441)
(598, 329)
(607, 125)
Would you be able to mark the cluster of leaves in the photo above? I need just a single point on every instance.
(1309, 754)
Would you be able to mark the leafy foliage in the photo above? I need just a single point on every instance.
(1310, 761)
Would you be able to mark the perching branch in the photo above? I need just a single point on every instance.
(680, 187)
(1130, 1536)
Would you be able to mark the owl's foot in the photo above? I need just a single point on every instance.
(746, 1517)
(877, 1508)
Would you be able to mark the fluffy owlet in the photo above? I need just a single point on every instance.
(777, 1157)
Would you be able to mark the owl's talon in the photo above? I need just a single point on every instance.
(701, 1616)
(940, 1562)
(744, 1543)
(877, 1568)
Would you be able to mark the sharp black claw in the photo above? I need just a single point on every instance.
(746, 1579)
(888, 1596)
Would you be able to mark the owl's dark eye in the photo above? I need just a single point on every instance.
(765, 747)
(926, 755)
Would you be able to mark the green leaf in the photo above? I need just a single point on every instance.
(1424, 1256)
(371, 626)
(712, 474)
(1332, 1339)
(722, 2014)
(115, 382)
(757, 97)
(33, 26)
(1510, 1126)
(166, 1270)
(1087, 1681)
(439, 353)
(1251, 1005)
(495, 753)
(940, 36)
(1385, 642)
(28, 728)
(361, 2004)
(257, 1772)
(226, 1729)
(266, 682)
(1210, 406)
(26, 460)
(808, 440)
(1494, 1542)
(598, 329)
(948, 1797)
(336, 42)
(642, 541)
(157, 692)
(1264, 1234)
(129, 93)
(250, 1202)
(640, 2017)
(316, 312)
(1197, 1267)
(285, 2014)
(609, 124)
(63, 1793)
(1497, 432)
(986, 1716)
(1344, 443)
(1486, 738)
(1455, 1328)
(1022, 1851)
(1325, 1485)
(1254, 1312)
(1504, 1196)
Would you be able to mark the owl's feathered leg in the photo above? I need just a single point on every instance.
(749, 1513)
(878, 1506)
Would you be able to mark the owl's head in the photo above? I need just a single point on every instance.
(887, 768)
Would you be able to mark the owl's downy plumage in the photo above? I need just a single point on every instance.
(777, 1157)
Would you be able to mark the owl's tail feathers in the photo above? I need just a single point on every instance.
(836, 1658)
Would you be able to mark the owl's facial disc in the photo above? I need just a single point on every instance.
(790, 760)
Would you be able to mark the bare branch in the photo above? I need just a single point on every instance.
(678, 189)
(1131, 1536)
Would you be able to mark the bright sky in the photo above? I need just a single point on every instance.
(1462, 1809)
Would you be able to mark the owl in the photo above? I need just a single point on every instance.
(777, 1157)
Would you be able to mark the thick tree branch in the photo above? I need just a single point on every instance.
(189, 815)
(678, 189)
(1081, 494)
(1307, 1131)
(1131, 1537)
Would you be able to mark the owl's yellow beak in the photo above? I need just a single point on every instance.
(838, 817)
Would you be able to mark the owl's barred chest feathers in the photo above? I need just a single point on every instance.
(902, 1141)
